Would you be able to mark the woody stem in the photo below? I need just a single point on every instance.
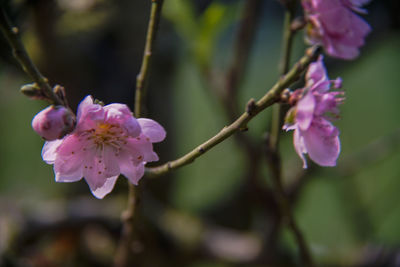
(125, 251)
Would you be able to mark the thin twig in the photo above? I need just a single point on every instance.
(226, 89)
(11, 33)
(287, 43)
(252, 109)
(244, 41)
(272, 147)
(141, 79)
(286, 210)
(124, 252)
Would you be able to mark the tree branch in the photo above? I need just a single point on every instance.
(252, 109)
(243, 43)
(125, 251)
(11, 33)
(141, 79)
(272, 146)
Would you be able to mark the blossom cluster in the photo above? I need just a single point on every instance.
(333, 24)
(310, 117)
(106, 142)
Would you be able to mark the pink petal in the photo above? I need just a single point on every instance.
(316, 72)
(71, 145)
(131, 171)
(49, 151)
(120, 114)
(342, 51)
(337, 27)
(328, 102)
(132, 154)
(322, 143)
(360, 28)
(141, 148)
(73, 175)
(305, 111)
(346, 45)
(110, 161)
(89, 114)
(152, 129)
(101, 191)
(101, 171)
(85, 104)
(68, 163)
(336, 20)
(100, 165)
(68, 168)
(299, 146)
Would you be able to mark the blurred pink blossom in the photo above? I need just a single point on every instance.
(310, 118)
(107, 141)
(333, 24)
(53, 122)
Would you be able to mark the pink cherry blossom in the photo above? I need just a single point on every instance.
(310, 118)
(53, 122)
(107, 141)
(333, 24)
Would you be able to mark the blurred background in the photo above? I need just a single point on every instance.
(219, 211)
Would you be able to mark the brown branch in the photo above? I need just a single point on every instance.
(12, 35)
(244, 41)
(125, 251)
(141, 79)
(272, 145)
(240, 124)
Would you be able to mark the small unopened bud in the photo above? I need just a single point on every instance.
(60, 92)
(290, 119)
(295, 96)
(285, 95)
(53, 122)
(32, 90)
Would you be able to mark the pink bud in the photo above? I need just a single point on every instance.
(53, 122)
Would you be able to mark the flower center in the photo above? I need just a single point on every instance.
(107, 134)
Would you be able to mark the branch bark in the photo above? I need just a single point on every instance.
(240, 124)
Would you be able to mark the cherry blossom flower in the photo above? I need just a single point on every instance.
(107, 141)
(53, 122)
(333, 24)
(310, 118)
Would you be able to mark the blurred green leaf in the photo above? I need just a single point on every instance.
(201, 32)
(181, 14)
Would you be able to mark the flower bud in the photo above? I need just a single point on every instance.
(53, 122)
(33, 91)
